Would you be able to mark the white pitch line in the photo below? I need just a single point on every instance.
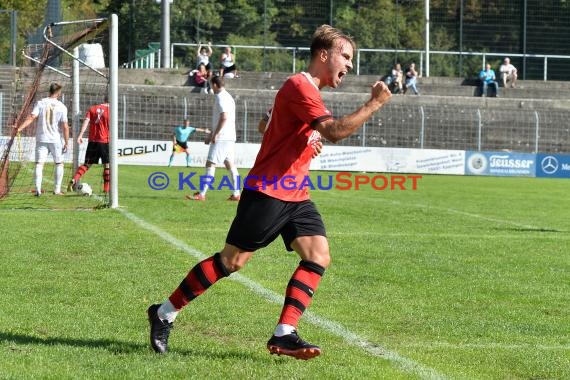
(404, 363)
(488, 346)
(495, 220)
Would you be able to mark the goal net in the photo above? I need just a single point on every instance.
(72, 56)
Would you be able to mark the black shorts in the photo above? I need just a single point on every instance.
(229, 69)
(96, 151)
(183, 145)
(260, 219)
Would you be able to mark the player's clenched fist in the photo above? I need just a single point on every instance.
(381, 92)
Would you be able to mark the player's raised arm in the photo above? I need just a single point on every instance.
(335, 130)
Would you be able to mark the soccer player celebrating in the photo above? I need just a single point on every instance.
(267, 209)
(97, 119)
(180, 140)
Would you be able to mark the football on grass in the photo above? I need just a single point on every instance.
(85, 189)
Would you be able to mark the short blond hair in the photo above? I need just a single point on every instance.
(326, 37)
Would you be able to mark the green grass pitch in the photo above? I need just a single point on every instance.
(463, 278)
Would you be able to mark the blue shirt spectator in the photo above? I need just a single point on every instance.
(488, 78)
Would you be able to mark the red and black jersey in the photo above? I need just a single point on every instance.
(288, 143)
(98, 116)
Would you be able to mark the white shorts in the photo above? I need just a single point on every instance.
(221, 151)
(56, 150)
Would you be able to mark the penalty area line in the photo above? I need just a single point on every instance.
(488, 346)
(402, 362)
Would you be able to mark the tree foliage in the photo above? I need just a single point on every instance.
(31, 16)
(487, 25)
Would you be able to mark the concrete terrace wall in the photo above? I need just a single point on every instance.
(447, 115)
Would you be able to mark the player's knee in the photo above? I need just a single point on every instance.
(233, 258)
(233, 264)
(314, 249)
(324, 259)
(321, 257)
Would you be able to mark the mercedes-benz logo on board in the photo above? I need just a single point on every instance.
(549, 164)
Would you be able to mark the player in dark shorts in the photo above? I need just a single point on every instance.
(274, 204)
(97, 119)
(182, 144)
(272, 217)
(97, 151)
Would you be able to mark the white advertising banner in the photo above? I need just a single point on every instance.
(333, 158)
(390, 160)
(157, 153)
(24, 149)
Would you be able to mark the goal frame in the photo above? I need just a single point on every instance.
(113, 95)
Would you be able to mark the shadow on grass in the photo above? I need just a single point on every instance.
(115, 346)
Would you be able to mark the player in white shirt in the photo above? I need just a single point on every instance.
(222, 141)
(508, 72)
(50, 115)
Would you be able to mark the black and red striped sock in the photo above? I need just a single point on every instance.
(80, 171)
(300, 290)
(106, 179)
(200, 278)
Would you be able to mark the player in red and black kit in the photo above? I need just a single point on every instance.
(97, 119)
(274, 204)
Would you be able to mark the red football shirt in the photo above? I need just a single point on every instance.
(282, 165)
(98, 116)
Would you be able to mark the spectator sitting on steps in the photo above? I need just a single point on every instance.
(395, 79)
(487, 77)
(201, 79)
(203, 55)
(508, 73)
(411, 79)
(228, 66)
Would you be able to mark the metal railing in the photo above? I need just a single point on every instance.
(148, 61)
(460, 127)
(396, 125)
(298, 57)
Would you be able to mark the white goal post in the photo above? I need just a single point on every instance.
(114, 109)
(113, 96)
